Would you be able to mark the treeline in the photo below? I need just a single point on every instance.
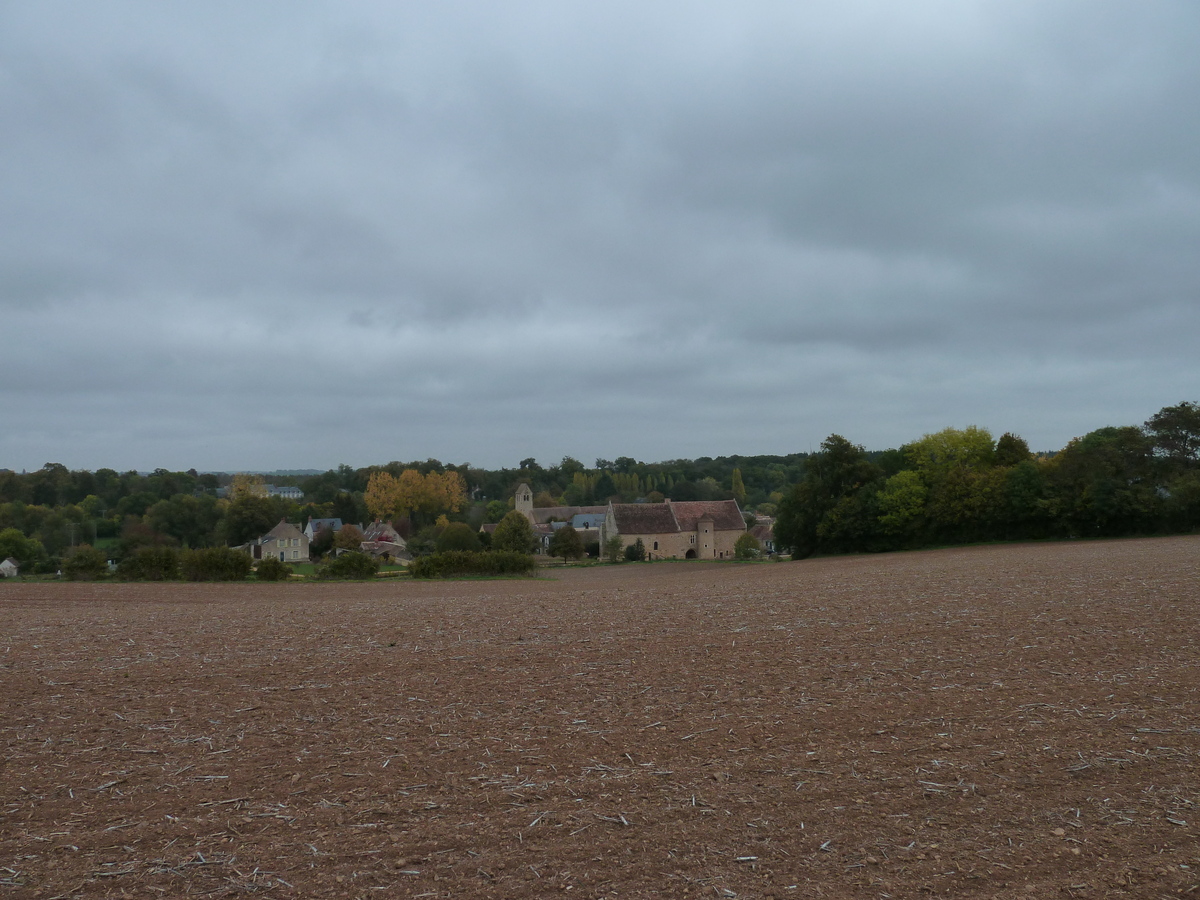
(46, 514)
(951, 487)
(961, 486)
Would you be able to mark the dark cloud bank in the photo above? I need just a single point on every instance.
(260, 235)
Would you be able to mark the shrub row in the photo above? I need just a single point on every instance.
(463, 562)
(352, 565)
(214, 564)
(169, 564)
(272, 569)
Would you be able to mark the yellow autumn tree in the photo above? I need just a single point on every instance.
(245, 485)
(389, 498)
(411, 492)
(380, 495)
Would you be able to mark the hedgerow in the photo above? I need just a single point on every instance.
(271, 569)
(214, 564)
(349, 566)
(150, 564)
(462, 562)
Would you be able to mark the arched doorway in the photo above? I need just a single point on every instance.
(691, 554)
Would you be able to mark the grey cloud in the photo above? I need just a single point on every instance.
(656, 231)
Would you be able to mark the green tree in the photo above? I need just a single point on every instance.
(1102, 484)
(85, 563)
(902, 504)
(321, 543)
(566, 543)
(952, 448)
(348, 537)
(248, 517)
(1175, 434)
(457, 536)
(514, 533)
(215, 564)
(605, 489)
(612, 548)
(738, 487)
(636, 552)
(957, 467)
(150, 563)
(852, 525)
(460, 563)
(841, 469)
(189, 519)
(569, 467)
(1182, 503)
(1025, 508)
(967, 504)
(28, 552)
(350, 566)
(348, 507)
(747, 546)
(272, 569)
(1011, 450)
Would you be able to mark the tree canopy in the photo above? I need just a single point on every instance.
(567, 543)
(514, 533)
(413, 493)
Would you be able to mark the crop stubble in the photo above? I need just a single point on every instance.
(1006, 721)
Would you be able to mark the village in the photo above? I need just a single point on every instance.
(702, 529)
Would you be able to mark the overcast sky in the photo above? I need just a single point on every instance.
(258, 235)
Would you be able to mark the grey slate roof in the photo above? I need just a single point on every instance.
(543, 514)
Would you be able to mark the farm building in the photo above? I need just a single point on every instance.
(701, 529)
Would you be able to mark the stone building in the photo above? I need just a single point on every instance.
(544, 515)
(702, 529)
(285, 542)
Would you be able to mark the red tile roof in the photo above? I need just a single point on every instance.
(673, 517)
(725, 514)
(645, 518)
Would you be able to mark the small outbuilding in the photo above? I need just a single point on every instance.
(10, 568)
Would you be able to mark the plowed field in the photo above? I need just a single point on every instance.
(1018, 721)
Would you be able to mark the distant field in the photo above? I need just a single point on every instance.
(1011, 721)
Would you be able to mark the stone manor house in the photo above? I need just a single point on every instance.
(700, 529)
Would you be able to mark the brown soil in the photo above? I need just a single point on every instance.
(1018, 721)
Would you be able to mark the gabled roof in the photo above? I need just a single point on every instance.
(284, 529)
(670, 517)
(763, 533)
(381, 531)
(725, 514)
(645, 518)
